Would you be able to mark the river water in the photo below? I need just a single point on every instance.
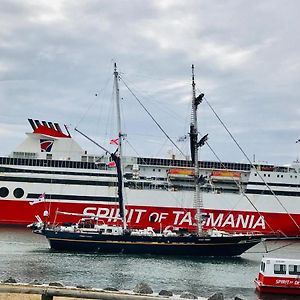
(26, 256)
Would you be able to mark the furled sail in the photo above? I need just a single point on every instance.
(117, 160)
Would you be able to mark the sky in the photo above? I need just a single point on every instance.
(57, 58)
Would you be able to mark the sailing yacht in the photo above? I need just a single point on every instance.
(90, 235)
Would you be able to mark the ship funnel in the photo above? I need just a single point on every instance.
(45, 124)
(57, 127)
(48, 128)
(51, 125)
(37, 122)
(31, 122)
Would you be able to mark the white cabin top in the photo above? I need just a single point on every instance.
(49, 141)
(280, 267)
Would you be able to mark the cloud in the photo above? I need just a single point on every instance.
(55, 55)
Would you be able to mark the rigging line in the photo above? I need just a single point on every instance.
(93, 102)
(239, 186)
(139, 156)
(152, 117)
(129, 144)
(149, 99)
(109, 120)
(162, 145)
(155, 136)
(167, 189)
(235, 141)
(278, 248)
(265, 242)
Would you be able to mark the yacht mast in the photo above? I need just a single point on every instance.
(120, 140)
(198, 202)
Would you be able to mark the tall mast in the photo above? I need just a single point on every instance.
(198, 202)
(120, 140)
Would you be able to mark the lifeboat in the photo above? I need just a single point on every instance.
(279, 276)
(180, 173)
(225, 175)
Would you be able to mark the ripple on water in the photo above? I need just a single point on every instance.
(26, 257)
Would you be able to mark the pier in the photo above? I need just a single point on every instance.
(46, 292)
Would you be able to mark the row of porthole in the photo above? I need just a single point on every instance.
(18, 192)
(277, 175)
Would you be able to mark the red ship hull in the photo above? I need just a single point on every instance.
(273, 288)
(22, 213)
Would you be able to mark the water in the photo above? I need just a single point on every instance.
(26, 256)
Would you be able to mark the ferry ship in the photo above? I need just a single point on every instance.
(50, 171)
(278, 276)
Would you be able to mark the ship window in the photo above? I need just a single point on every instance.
(277, 176)
(4, 192)
(279, 269)
(262, 266)
(294, 269)
(18, 193)
(255, 174)
(281, 176)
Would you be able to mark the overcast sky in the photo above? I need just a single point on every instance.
(56, 64)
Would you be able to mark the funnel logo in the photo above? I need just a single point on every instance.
(46, 145)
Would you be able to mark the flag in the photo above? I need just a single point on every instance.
(114, 141)
(41, 198)
(298, 141)
(111, 164)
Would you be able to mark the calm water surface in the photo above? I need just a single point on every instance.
(26, 256)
